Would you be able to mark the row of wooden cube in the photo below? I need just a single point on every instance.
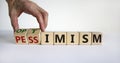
(35, 36)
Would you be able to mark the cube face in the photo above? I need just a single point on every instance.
(36, 37)
(33, 36)
(20, 36)
(96, 38)
(85, 38)
(72, 38)
(47, 38)
(60, 38)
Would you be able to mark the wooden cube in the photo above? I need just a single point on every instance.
(20, 36)
(60, 38)
(85, 38)
(33, 36)
(72, 38)
(47, 38)
(96, 38)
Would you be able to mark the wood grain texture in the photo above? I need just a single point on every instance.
(60, 38)
(20, 36)
(33, 36)
(72, 38)
(47, 38)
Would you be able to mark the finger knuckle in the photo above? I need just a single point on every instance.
(46, 13)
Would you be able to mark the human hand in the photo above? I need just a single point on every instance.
(16, 7)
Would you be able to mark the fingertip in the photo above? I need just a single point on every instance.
(42, 30)
(15, 28)
(42, 27)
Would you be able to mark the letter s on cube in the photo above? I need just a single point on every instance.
(33, 36)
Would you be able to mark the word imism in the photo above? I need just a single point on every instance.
(35, 36)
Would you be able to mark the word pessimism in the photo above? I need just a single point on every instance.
(35, 36)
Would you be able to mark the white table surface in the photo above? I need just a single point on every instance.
(108, 52)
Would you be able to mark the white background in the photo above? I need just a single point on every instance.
(65, 15)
